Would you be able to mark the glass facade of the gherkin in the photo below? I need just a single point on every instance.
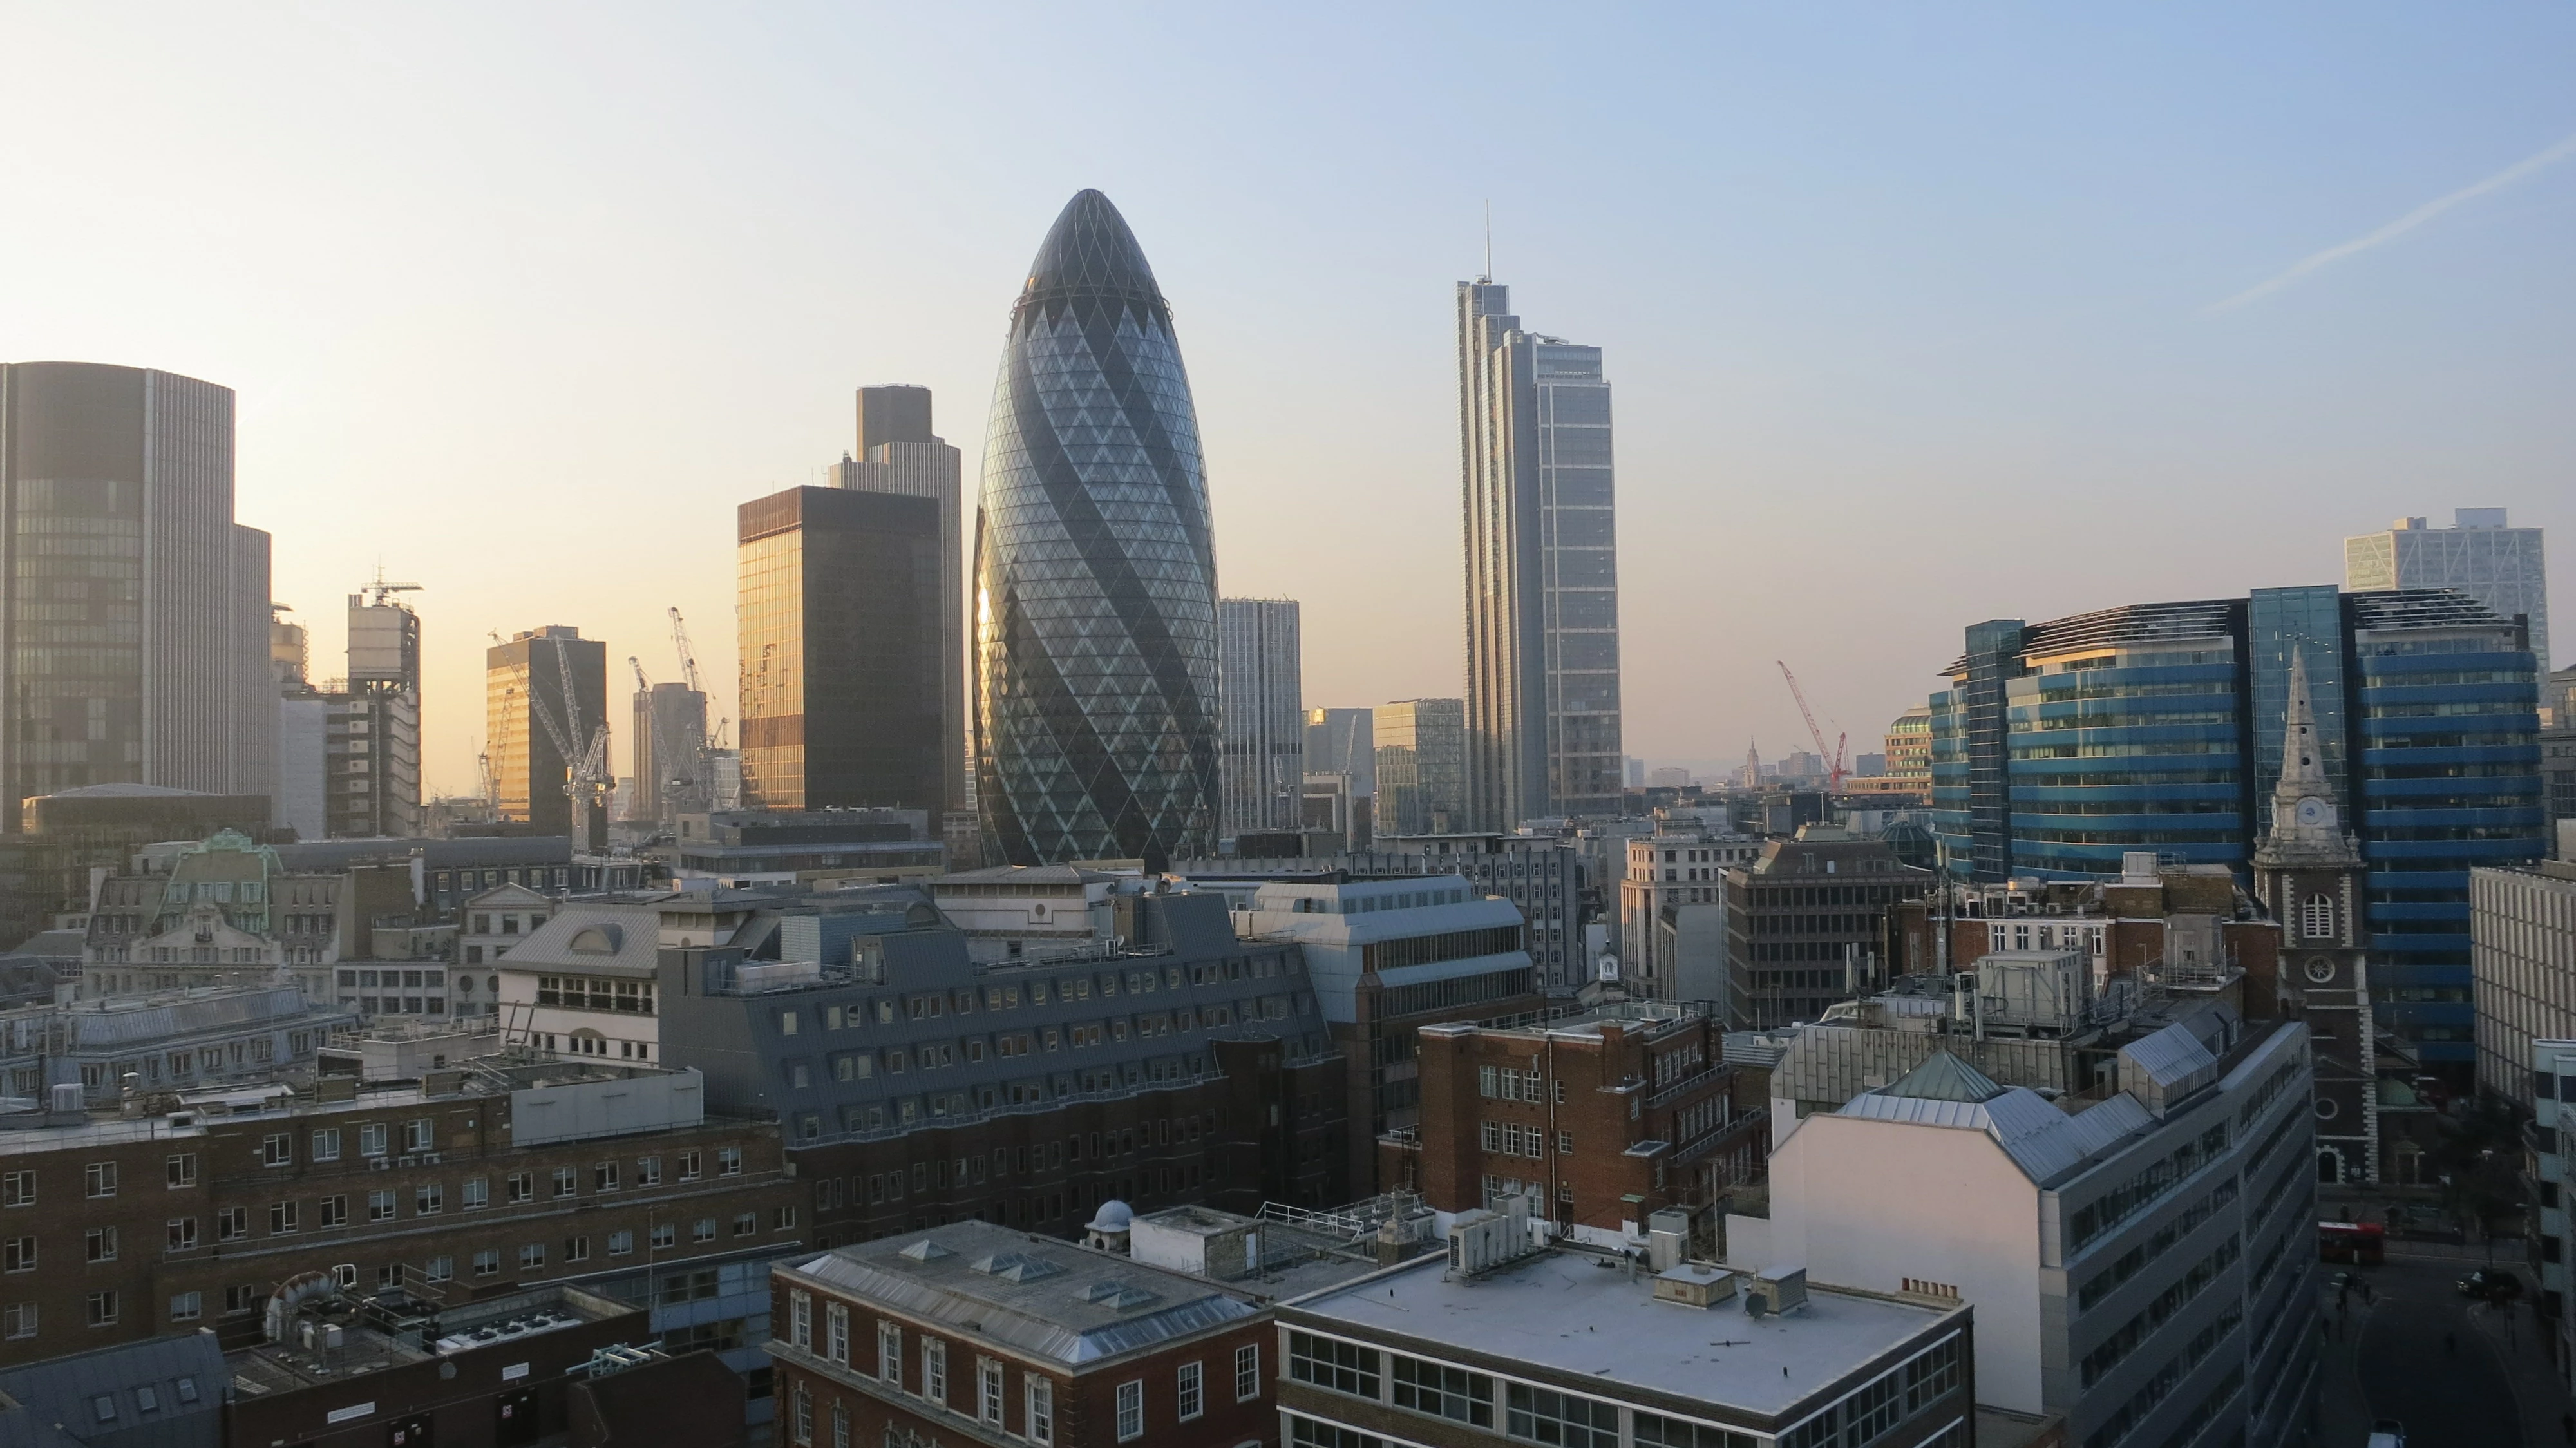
(1095, 577)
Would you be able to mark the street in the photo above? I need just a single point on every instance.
(2457, 1374)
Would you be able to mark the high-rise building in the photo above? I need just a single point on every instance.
(1542, 570)
(668, 747)
(535, 742)
(1258, 696)
(2500, 566)
(898, 453)
(842, 700)
(1421, 766)
(372, 744)
(1095, 575)
(149, 659)
(2061, 746)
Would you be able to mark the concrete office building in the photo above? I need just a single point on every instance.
(1421, 766)
(1542, 570)
(669, 753)
(1545, 1346)
(1095, 571)
(1807, 924)
(1672, 914)
(741, 848)
(2547, 1072)
(1387, 957)
(841, 637)
(2501, 566)
(899, 453)
(1262, 727)
(2522, 931)
(184, 1039)
(2062, 746)
(149, 661)
(2142, 1261)
(545, 699)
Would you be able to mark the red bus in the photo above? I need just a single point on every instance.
(2363, 1243)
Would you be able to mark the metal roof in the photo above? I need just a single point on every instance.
(2045, 1142)
(74, 1391)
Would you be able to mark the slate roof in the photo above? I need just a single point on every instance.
(60, 1401)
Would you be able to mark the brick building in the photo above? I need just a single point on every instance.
(1607, 1117)
(464, 1184)
(976, 1334)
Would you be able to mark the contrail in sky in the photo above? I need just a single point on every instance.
(2412, 219)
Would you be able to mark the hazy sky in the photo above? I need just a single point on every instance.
(1916, 316)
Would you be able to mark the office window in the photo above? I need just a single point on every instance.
(1039, 1409)
(1190, 1397)
(703, 1230)
(183, 1234)
(603, 1177)
(1442, 1391)
(335, 1211)
(840, 1424)
(800, 1320)
(326, 1144)
(576, 1249)
(429, 1199)
(187, 1306)
(988, 1391)
(99, 1178)
(18, 1320)
(648, 1171)
(18, 1189)
(441, 1269)
(102, 1309)
(380, 1206)
(1560, 1420)
(665, 1234)
(532, 1255)
(371, 1138)
(1131, 1410)
(567, 1181)
(801, 1416)
(890, 1353)
(836, 1334)
(102, 1244)
(283, 1217)
(934, 1369)
(277, 1149)
(183, 1170)
(1247, 1372)
(621, 1244)
(746, 1224)
(688, 1166)
(419, 1134)
(523, 1187)
(1341, 1366)
(478, 1193)
(20, 1254)
(728, 1161)
(487, 1263)
(1653, 1431)
(232, 1223)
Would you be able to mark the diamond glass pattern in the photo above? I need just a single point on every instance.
(1095, 580)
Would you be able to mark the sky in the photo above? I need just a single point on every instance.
(1915, 316)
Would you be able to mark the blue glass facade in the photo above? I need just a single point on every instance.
(1095, 578)
(2448, 743)
(2159, 726)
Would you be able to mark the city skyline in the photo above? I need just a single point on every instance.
(1954, 369)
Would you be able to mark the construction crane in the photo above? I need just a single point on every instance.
(1833, 761)
(586, 781)
(381, 592)
(688, 661)
(642, 684)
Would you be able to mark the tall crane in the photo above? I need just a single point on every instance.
(1833, 761)
(688, 661)
(642, 684)
(586, 780)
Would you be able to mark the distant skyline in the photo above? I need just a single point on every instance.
(1919, 318)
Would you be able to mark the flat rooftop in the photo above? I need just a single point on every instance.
(1582, 1316)
(372, 1341)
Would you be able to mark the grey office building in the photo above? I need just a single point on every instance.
(1261, 726)
(2482, 556)
(1421, 766)
(898, 453)
(134, 625)
(1542, 571)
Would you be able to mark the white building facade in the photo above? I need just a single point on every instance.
(2479, 554)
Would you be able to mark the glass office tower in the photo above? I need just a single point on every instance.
(841, 639)
(2158, 727)
(1095, 576)
(1262, 707)
(1421, 766)
(1543, 717)
(134, 647)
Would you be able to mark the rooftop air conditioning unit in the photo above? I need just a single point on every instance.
(1775, 1291)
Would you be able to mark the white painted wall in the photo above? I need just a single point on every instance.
(1868, 1204)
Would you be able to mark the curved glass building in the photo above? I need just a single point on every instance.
(1095, 577)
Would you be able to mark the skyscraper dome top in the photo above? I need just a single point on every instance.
(1089, 252)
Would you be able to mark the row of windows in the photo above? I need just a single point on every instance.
(887, 1010)
(101, 1178)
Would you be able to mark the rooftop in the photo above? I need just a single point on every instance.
(380, 1333)
(1033, 1295)
(1581, 1314)
(1650, 1016)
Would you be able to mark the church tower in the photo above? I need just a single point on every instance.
(2309, 874)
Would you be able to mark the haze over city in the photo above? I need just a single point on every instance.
(1913, 318)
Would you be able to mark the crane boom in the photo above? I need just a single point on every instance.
(688, 661)
(642, 684)
(1833, 761)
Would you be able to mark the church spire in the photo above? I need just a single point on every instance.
(2302, 760)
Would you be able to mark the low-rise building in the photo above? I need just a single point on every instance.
(464, 1183)
(1672, 913)
(974, 1333)
(1604, 1118)
(2548, 1073)
(738, 848)
(1578, 1349)
(227, 909)
(2141, 1256)
(155, 1043)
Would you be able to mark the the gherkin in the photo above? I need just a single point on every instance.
(1095, 577)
